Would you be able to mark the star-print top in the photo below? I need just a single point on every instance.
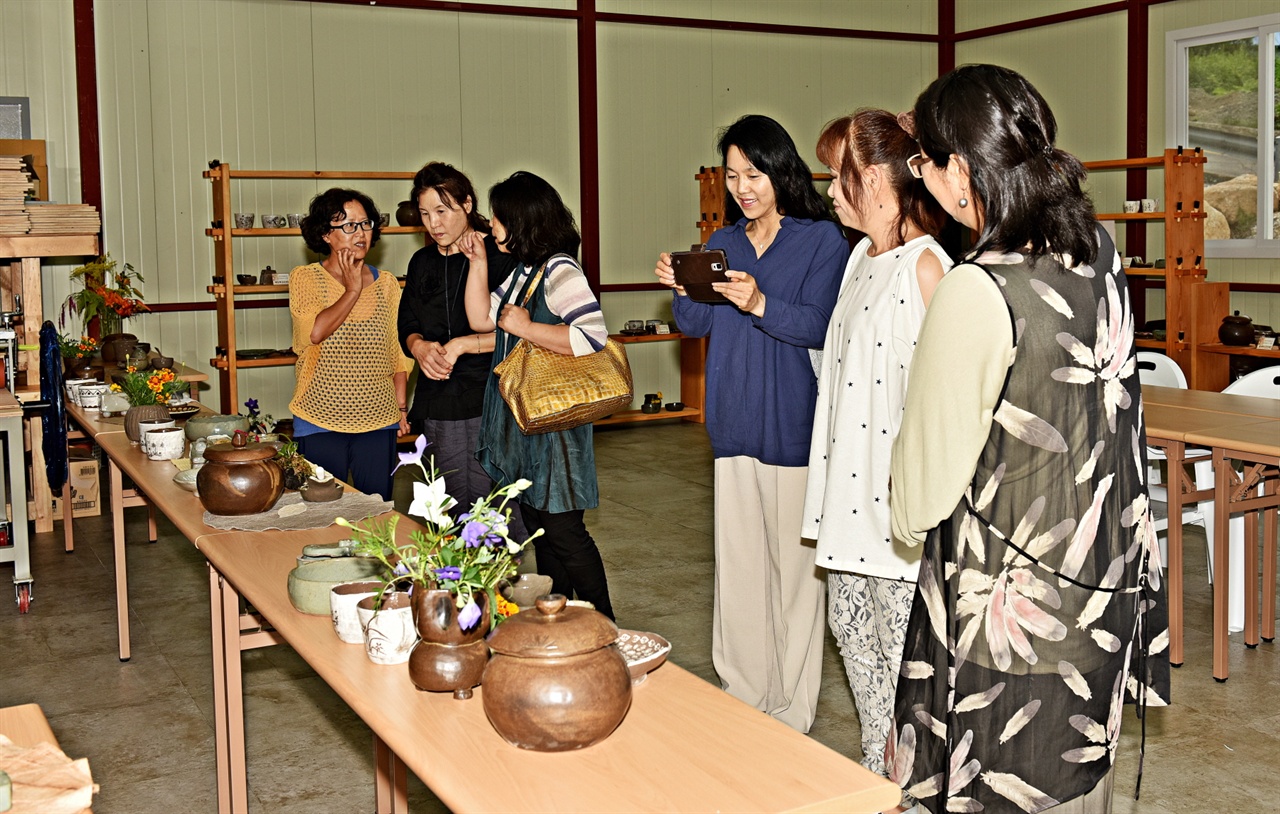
(862, 387)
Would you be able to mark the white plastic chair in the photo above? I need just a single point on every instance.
(1264, 383)
(1158, 369)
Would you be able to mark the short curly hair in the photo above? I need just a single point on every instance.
(330, 204)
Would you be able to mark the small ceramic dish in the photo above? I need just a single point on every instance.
(675, 406)
(187, 478)
(643, 653)
(246, 279)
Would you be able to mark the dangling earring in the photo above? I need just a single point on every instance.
(963, 202)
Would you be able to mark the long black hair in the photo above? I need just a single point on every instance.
(768, 146)
(330, 204)
(1029, 190)
(538, 223)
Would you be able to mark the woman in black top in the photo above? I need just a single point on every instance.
(453, 360)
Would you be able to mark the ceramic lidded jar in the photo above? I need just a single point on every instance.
(239, 480)
(556, 681)
(1236, 330)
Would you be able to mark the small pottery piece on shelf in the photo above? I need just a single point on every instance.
(77, 368)
(407, 214)
(311, 582)
(116, 347)
(447, 658)
(161, 362)
(239, 480)
(556, 680)
(139, 413)
(342, 608)
(389, 633)
(321, 491)
(202, 426)
(1236, 330)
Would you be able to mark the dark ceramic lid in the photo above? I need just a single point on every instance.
(225, 453)
(553, 630)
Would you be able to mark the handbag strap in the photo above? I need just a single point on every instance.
(529, 287)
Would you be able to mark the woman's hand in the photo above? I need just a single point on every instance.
(432, 359)
(472, 247)
(743, 292)
(350, 270)
(514, 320)
(403, 429)
(667, 274)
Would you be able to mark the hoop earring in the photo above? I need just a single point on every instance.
(963, 202)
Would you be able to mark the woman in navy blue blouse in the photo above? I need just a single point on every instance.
(786, 256)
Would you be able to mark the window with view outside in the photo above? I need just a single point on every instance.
(1225, 100)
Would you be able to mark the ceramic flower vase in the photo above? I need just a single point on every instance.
(142, 412)
(447, 658)
(116, 347)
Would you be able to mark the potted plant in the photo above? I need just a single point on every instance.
(149, 393)
(108, 294)
(261, 426)
(77, 353)
(296, 468)
(455, 566)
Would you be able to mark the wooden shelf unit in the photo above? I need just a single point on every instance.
(693, 384)
(220, 177)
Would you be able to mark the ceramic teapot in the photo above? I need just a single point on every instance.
(1236, 330)
(556, 680)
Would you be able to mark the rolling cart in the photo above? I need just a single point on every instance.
(13, 500)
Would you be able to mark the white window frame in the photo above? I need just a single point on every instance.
(1265, 29)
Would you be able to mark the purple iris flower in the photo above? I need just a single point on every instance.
(476, 534)
(252, 404)
(449, 572)
(414, 457)
(469, 616)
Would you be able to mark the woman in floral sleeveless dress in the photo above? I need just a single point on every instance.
(1021, 466)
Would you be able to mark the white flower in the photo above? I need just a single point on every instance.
(513, 489)
(431, 502)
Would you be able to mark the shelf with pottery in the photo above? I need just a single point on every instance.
(693, 385)
(221, 176)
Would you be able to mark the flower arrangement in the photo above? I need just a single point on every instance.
(259, 424)
(76, 349)
(471, 554)
(107, 293)
(149, 386)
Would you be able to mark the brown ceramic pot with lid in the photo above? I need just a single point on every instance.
(239, 480)
(1236, 330)
(556, 680)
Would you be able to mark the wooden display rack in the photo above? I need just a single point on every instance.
(220, 177)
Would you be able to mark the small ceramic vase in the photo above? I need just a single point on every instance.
(139, 413)
(167, 444)
(342, 607)
(147, 425)
(448, 658)
(389, 634)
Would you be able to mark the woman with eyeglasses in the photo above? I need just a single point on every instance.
(349, 400)
(871, 577)
(786, 255)
(1021, 467)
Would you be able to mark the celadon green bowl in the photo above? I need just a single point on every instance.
(202, 426)
(310, 582)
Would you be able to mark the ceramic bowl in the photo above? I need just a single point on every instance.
(202, 426)
(643, 653)
(526, 589)
(186, 478)
(311, 582)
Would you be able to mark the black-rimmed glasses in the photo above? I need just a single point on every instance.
(916, 164)
(350, 227)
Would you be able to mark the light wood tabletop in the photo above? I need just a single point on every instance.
(1210, 401)
(684, 745)
(25, 725)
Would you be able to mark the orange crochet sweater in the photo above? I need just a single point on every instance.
(345, 383)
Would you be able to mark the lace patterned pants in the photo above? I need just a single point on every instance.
(868, 616)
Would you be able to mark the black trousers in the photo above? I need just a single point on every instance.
(567, 553)
(367, 457)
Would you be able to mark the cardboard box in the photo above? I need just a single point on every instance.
(86, 492)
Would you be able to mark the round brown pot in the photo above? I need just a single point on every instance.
(1236, 330)
(142, 412)
(239, 480)
(446, 657)
(556, 680)
(116, 347)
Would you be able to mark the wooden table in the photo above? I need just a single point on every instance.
(18, 551)
(26, 725)
(1220, 422)
(684, 745)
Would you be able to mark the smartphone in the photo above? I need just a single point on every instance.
(697, 270)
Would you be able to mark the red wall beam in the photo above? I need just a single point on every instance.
(87, 103)
(589, 142)
(946, 36)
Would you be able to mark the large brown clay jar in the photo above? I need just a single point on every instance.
(556, 680)
(447, 658)
(239, 480)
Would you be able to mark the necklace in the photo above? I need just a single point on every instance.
(448, 297)
(764, 241)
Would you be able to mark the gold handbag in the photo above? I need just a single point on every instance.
(550, 392)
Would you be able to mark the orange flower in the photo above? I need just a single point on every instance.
(506, 608)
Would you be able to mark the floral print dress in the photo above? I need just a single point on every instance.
(1039, 607)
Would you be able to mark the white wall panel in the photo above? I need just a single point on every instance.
(914, 16)
(971, 14)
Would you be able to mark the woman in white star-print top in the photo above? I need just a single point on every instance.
(861, 390)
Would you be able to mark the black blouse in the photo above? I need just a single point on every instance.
(434, 306)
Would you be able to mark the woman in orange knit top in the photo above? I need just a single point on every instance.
(349, 401)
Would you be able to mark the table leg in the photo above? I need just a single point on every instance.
(1250, 579)
(1269, 542)
(122, 576)
(1223, 475)
(390, 780)
(1174, 455)
(228, 695)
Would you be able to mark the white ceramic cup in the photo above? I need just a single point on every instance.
(342, 608)
(1132, 207)
(1149, 204)
(389, 633)
(147, 425)
(73, 388)
(165, 443)
(90, 395)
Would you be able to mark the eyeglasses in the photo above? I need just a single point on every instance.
(916, 164)
(350, 227)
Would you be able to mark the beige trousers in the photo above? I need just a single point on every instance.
(770, 598)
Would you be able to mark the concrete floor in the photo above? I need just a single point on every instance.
(147, 726)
